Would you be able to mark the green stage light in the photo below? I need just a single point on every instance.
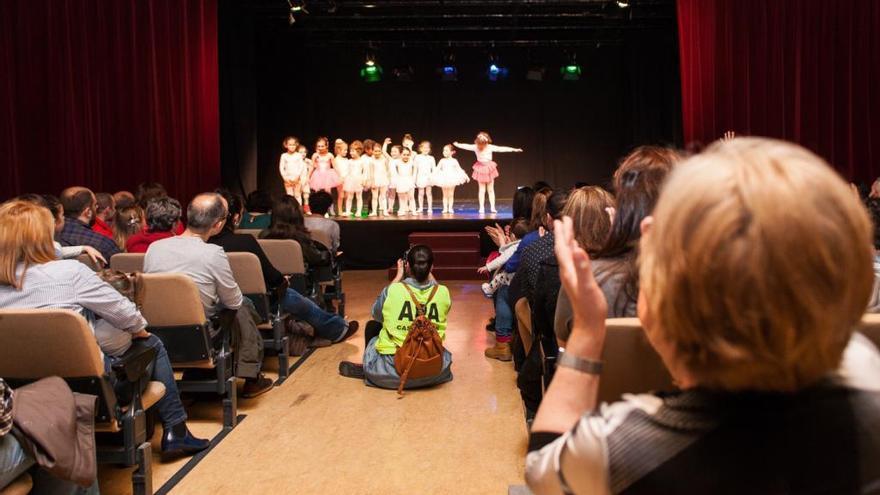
(571, 72)
(371, 73)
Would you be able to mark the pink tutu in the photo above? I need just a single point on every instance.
(324, 180)
(485, 172)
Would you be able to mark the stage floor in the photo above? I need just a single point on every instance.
(377, 242)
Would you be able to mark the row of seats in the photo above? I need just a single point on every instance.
(36, 343)
(631, 365)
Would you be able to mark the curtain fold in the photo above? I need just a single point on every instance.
(107, 94)
(806, 71)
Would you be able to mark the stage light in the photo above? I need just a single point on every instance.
(571, 71)
(297, 6)
(372, 71)
(495, 71)
(448, 71)
(623, 3)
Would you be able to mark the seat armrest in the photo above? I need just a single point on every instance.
(132, 365)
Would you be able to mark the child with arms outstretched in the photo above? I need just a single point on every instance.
(485, 170)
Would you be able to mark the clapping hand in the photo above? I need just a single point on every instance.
(587, 300)
(483, 270)
(95, 256)
(728, 135)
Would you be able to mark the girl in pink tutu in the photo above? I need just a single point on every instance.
(485, 170)
(323, 178)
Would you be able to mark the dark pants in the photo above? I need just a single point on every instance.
(372, 329)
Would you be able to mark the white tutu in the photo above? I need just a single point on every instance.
(449, 178)
(404, 183)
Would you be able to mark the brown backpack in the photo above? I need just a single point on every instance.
(421, 354)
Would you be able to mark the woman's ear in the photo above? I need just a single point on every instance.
(647, 225)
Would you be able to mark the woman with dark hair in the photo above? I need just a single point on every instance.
(393, 314)
(258, 206)
(637, 182)
(522, 202)
(288, 222)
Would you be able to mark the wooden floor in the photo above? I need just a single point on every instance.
(323, 433)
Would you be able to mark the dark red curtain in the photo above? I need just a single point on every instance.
(108, 93)
(803, 70)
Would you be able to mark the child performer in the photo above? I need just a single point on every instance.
(292, 166)
(448, 175)
(405, 183)
(340, 164)
(425, 165)
(307, 168)
(393, 157)
(354, 181)
(485, 170)
(518, 229)
(323, 178)
(378, 179)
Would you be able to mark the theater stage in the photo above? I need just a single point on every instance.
(377, 242)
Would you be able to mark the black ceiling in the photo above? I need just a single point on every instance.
(433, 23)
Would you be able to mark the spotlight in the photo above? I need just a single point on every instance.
(297, 6)
(495, 71)
(371, 71)
(448, 71)
(571, 71)
(623, 3)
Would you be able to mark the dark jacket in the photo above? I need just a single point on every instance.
(245, 243)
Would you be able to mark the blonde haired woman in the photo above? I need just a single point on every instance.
(755, 268)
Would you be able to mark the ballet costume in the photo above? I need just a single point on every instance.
(353, 185)
(292, 168)
(485, 169)
(324, 178)
(404, 183)
(393, 164)
(449, 175)
(341, 165)
(425, 165)
(378, 179)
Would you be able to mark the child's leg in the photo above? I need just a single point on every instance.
(389, 198)
(451, 198)
(401, 203)
(348, 199)
(305, 196)
(412, 203)
(481, 198)
(340, 197)
(430, 199)
(496, 281)
(296, 192)
(420, 192)
(374, 192)
(490, 188)
(383, 200)
(360, 202)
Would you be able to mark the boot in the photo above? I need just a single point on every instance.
(501, 351)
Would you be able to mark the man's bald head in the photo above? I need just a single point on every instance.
(77, 202)
(205, 211)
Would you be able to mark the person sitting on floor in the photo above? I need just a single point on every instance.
(207, 264)
(31, 277)
(393, 313)
(162, 215)
(329, 326)
(79, 211)
(755, 268)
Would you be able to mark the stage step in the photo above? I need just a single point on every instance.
(456, 254)
(457, 257)
(450, 273)
(447, 240)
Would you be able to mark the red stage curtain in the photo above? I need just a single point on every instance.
(108, 93)
(802, 70)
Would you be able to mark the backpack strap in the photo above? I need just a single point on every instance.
(419, 306)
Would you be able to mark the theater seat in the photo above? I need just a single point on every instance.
(524, 323)
(870, 327)
(253, 232)
(332, 276)
(171, 304)
(631, 365)
(287, 257)
(19, 486)
(127, 262)
(249, 276)
(38, 343)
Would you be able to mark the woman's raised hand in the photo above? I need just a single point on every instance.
(587, 300)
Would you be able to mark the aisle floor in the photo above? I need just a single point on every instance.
(323, 433)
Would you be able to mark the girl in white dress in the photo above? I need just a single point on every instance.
(354, 179)
(448, 176)
(340, 164)
(393, 157)
(425, 166)
(485, 170)
(405, 183)
(307, 168)
(378, 178)
(291, 166)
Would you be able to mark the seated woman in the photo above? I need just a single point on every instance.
(162, 214)
(31, 277)
(259, 206)
(755, 268)
(393, 314)
(288, 222)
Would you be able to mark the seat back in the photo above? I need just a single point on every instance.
(171, 304)
(86, 260)
(247, 272)
(870, 327)
(38, 343)
(524, 323)
(285, 254)
(323, 238)
(631, 365)
(127, 262)
(253, 232)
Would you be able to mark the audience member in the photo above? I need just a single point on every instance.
(393, 314)
(79, 212)
(53, 206)
(105, 210)
(162, 215)
(533, 254)
(873, 205)
(123, 199)
(637, 182)
(316, 221)
(208, 266)
(30, 277)
(518, 228)
(522, 202)
(259, 206)
(288, 223)
(129, 222)
(147, 191)
(755, 269)
(329, 326)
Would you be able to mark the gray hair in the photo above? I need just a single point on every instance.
(202, 214)
(162, 213)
